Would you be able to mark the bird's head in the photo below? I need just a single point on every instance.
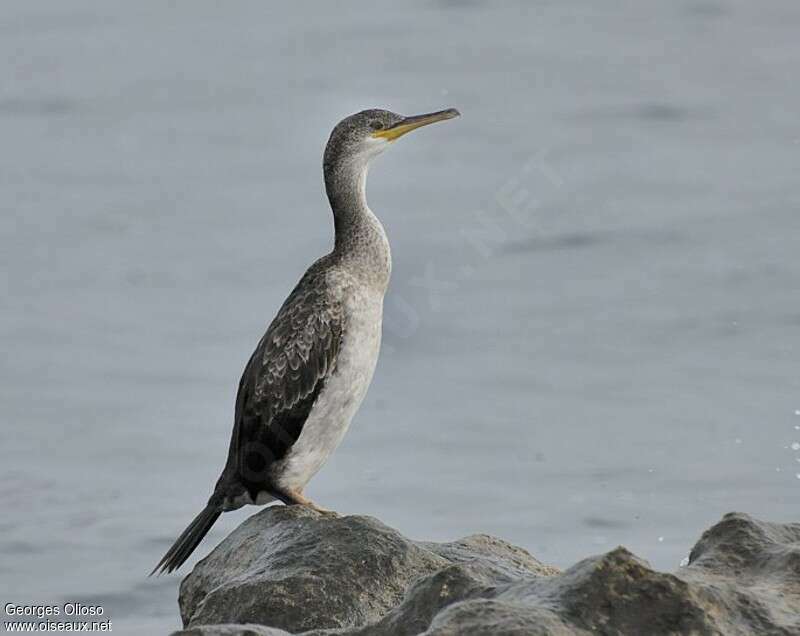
(360, 137)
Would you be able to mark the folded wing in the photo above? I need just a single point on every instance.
(282, 380)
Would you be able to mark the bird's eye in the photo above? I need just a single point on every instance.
(376, 125)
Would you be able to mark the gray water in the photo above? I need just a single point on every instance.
(593, 327)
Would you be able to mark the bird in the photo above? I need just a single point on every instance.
(310, 371)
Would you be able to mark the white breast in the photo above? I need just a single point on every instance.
(341, 396)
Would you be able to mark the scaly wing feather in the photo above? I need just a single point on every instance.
(283, 378)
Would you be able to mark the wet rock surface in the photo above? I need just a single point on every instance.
(290, 570)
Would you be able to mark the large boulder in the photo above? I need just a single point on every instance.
(290, 570)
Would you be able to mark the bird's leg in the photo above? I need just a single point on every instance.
(296, 497)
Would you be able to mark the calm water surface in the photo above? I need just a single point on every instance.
(593, 328)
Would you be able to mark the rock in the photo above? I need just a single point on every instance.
(353, 571)
(290, 570)
(233, 630)
(282, 561)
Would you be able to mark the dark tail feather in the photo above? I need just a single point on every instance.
(186, 543)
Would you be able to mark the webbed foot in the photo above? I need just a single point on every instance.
(297, 498)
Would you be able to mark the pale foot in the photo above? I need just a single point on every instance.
(299, 498)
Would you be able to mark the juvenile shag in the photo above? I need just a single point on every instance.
(310, 371)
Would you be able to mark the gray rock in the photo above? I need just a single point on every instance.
(232, 630)
(284, 560)
(292, 569)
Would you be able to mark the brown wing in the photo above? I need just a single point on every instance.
(282, 380)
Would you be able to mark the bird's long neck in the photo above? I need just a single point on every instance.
(361, 242)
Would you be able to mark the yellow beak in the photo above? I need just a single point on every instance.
(411, 123)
